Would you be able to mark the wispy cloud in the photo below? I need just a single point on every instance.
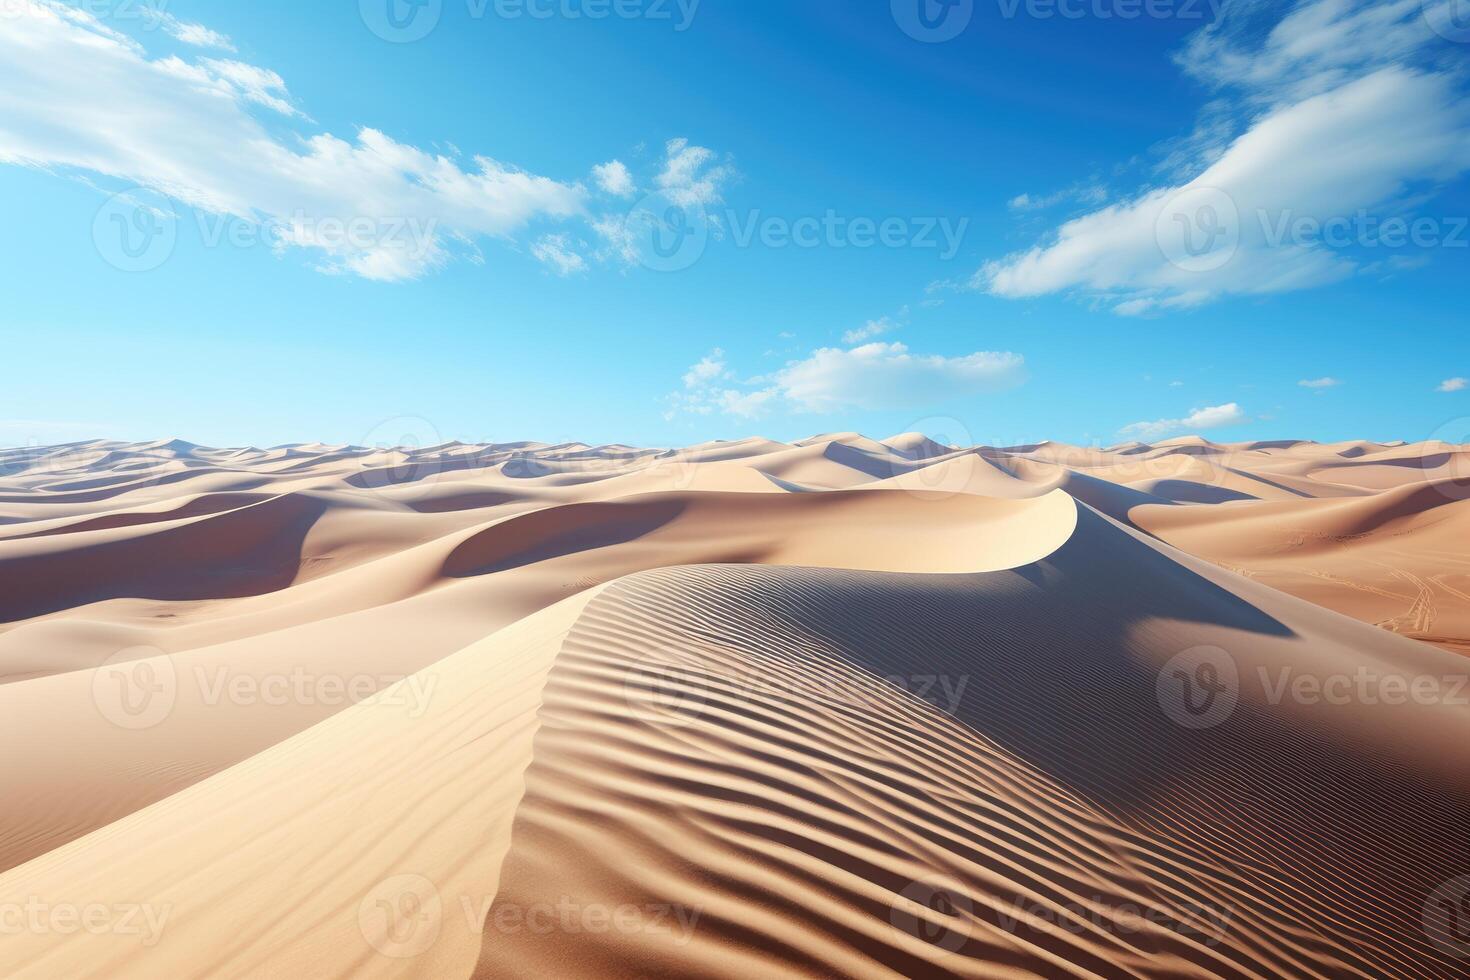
(556, 252)
(227, 139)
(196, 34)
(1088, 193)
(874, 328)
(709, 369)
(185, 129)
(1320, 383)
(871, 376)
(615, 178)
(1339, 107)
(693, 176)
(1213, 417)
(1452, 384)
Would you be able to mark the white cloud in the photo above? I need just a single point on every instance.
(1084, 193)
(880, 375)
(1214, 417)
(234, 80)
(709, 368)
(556, 251)
(1452, 384)
(196, 34)
(1318, 45)
(874, 376)
(690, 177)
(746, 404)
(184, 129)
(869, 330)
(1320, 383)
(614, 177)
(1341, 110)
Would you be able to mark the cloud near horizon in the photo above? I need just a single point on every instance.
(1342, 106)
(871, 376)
(1214, 417)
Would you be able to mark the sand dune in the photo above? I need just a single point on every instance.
(845, 707)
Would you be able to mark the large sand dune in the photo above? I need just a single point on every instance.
(846, 707)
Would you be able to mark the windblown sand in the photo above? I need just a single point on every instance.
(837, 708)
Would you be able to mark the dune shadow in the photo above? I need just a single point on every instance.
(557, 531)
(252, 550)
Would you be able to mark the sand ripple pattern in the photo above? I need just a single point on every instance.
(749, 747)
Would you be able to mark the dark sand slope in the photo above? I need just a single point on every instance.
(818, 820)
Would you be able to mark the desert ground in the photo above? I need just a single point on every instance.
(843, 707)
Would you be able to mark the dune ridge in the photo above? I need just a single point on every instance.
(838, 707)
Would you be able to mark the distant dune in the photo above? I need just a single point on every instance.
(844, 707)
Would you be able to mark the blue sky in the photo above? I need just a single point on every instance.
(1086, 220)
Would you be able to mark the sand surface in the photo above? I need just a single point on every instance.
(843, 707)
